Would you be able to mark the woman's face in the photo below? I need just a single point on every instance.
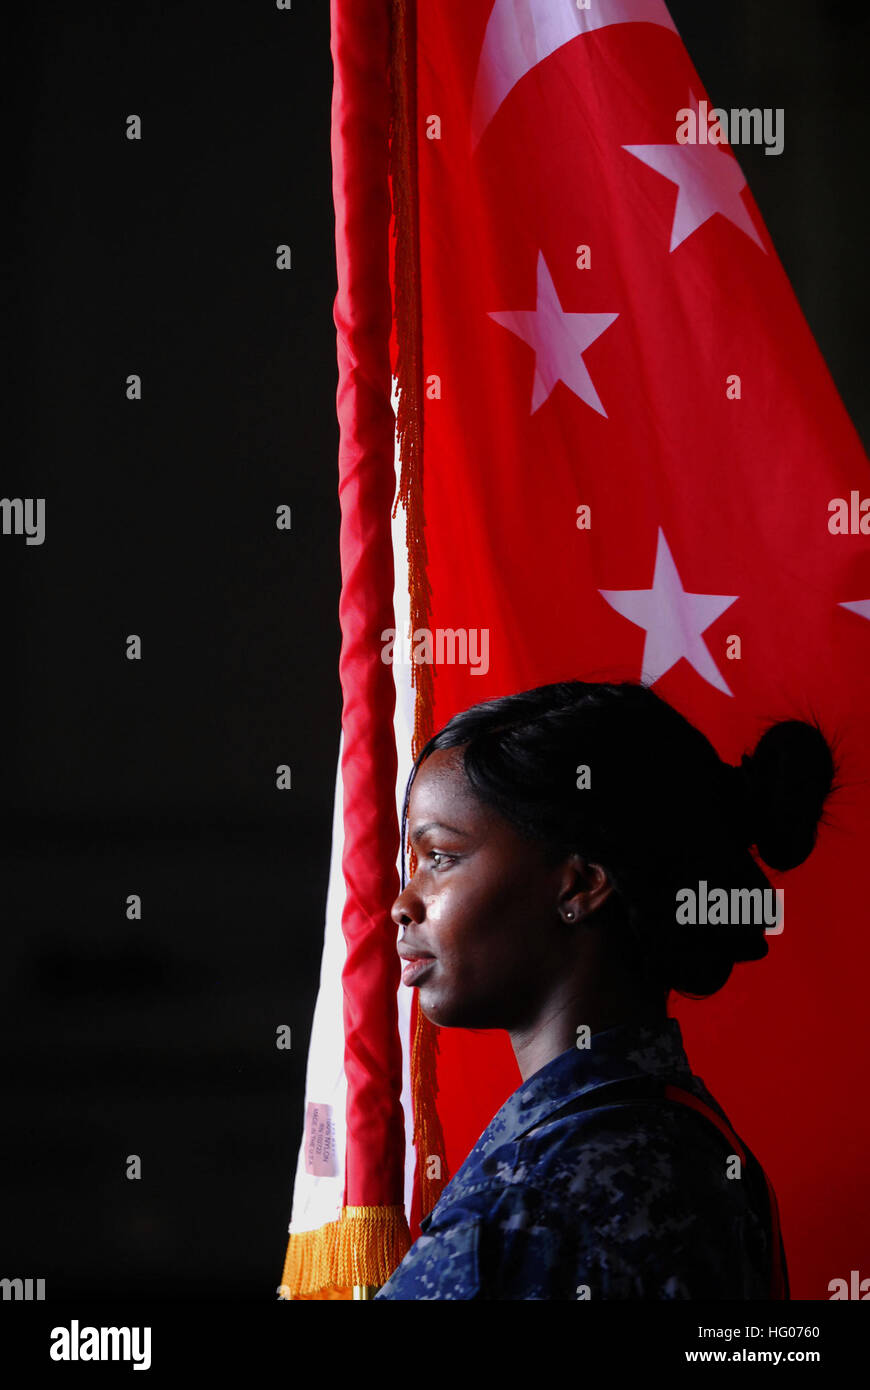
(483, 905)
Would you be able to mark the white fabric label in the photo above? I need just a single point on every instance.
(319, 1141)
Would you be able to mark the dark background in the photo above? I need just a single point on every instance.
(157, 777)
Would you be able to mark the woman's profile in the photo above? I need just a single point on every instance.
(556, 832)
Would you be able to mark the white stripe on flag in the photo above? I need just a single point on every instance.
(318, 1195)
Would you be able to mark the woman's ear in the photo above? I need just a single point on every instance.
(585, 886)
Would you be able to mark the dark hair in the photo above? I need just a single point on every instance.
(662, 811)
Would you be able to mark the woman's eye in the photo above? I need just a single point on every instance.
(436, 855)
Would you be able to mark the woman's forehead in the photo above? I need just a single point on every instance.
(442, 793)
(439, 779)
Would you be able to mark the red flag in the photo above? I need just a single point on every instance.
(632, 455)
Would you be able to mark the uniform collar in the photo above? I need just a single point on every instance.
(616, 1054)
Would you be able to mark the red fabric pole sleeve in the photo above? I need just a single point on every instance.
(363, 316)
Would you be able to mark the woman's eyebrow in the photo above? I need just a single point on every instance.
(419, 831)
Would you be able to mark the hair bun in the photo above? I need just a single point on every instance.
(787, 780)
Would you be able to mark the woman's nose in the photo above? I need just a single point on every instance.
(403, 911)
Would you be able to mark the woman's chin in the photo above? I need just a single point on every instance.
(438, 1010)
(451, 1013)
(432, 1008)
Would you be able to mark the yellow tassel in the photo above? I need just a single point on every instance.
(362, 1248)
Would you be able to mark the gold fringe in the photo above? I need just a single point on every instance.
(363, 1247)
(428, 1135)
(409, 338)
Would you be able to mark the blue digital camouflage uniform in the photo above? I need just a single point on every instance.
(626, 1199)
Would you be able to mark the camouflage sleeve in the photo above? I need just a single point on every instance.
(501, 1244)
(440, 1265)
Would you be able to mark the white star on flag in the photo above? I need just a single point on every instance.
(674, 620)
(558, 340)
(709, 181)
(861, 606)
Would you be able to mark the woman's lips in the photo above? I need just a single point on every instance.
(415, 968)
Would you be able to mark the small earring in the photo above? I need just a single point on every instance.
(568, 916)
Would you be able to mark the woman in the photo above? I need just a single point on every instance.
(556, 832)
